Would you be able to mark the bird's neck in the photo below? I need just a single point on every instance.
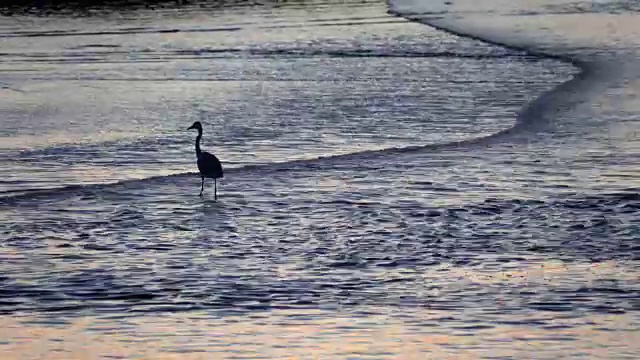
(198, 151)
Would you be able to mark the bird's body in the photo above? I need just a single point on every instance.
(208, 164)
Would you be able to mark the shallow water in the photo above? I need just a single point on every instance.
(391, 191)
(112, 107)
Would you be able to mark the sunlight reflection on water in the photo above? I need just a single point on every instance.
(313, 334)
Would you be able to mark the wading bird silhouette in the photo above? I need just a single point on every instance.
(208, 164)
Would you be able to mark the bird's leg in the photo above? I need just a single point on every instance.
(202, 186)
(215, 189)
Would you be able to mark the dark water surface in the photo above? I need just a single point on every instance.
(391, 190)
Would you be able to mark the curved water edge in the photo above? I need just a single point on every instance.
(535, 116)
(540, 111)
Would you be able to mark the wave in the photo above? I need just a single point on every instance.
(305, 52)
(537, 115)
(138, 31)
(13, 197)
(295, 52)
(126, 31)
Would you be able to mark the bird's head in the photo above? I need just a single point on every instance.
(196, 125)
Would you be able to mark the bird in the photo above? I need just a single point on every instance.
(208, 164)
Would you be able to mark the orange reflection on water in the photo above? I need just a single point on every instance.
(316, 335)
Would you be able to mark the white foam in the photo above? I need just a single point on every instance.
(553, 26)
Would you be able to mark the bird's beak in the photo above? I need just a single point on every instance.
(190, 127)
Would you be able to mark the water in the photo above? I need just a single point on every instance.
(391, 190)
